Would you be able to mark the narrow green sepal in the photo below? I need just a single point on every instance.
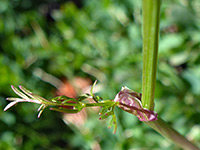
(106, 115)
(63, 99)
(104, 110)
(83, 97)
(113, 122)
(60, 109)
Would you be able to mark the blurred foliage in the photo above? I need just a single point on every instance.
(98, 40)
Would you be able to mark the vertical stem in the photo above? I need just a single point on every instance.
(151, 13)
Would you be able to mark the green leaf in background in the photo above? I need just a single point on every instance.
(93, 35)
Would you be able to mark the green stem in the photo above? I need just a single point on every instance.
(164, 129)
(60, 104)
(151, 13)
(101, 103)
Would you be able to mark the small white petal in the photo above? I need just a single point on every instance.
(13, 99)
(18, 92)
(41, 109)
(10, 105)
(41, 106)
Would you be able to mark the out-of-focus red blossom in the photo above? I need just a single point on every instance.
(66, 89)
(71, 89)
(77, 119)
(83, 84)
(130, 101)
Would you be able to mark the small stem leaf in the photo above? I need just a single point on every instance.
(41, 109)
(114, 124)
(104, 110)
(10, 105)
(24, 89)
(96, 99)
(41, 106)
(27, 92)
(41, 99)
(14, 99)
(107, 111)
(63, 99)
(67, 101)
(60, 98)
(18, 92)
(106, 115)
(60, 109)
(83, 97)
(110, 123)
(92, 88)
(33, 96)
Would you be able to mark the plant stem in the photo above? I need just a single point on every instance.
(102, 103)
(164, 129)
(151, 13)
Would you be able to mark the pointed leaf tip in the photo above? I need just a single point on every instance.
(20, 86)
(10, 105)
(13, 87)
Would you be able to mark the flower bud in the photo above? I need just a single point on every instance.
(130, 101)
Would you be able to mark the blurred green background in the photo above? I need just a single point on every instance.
(48, 45)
